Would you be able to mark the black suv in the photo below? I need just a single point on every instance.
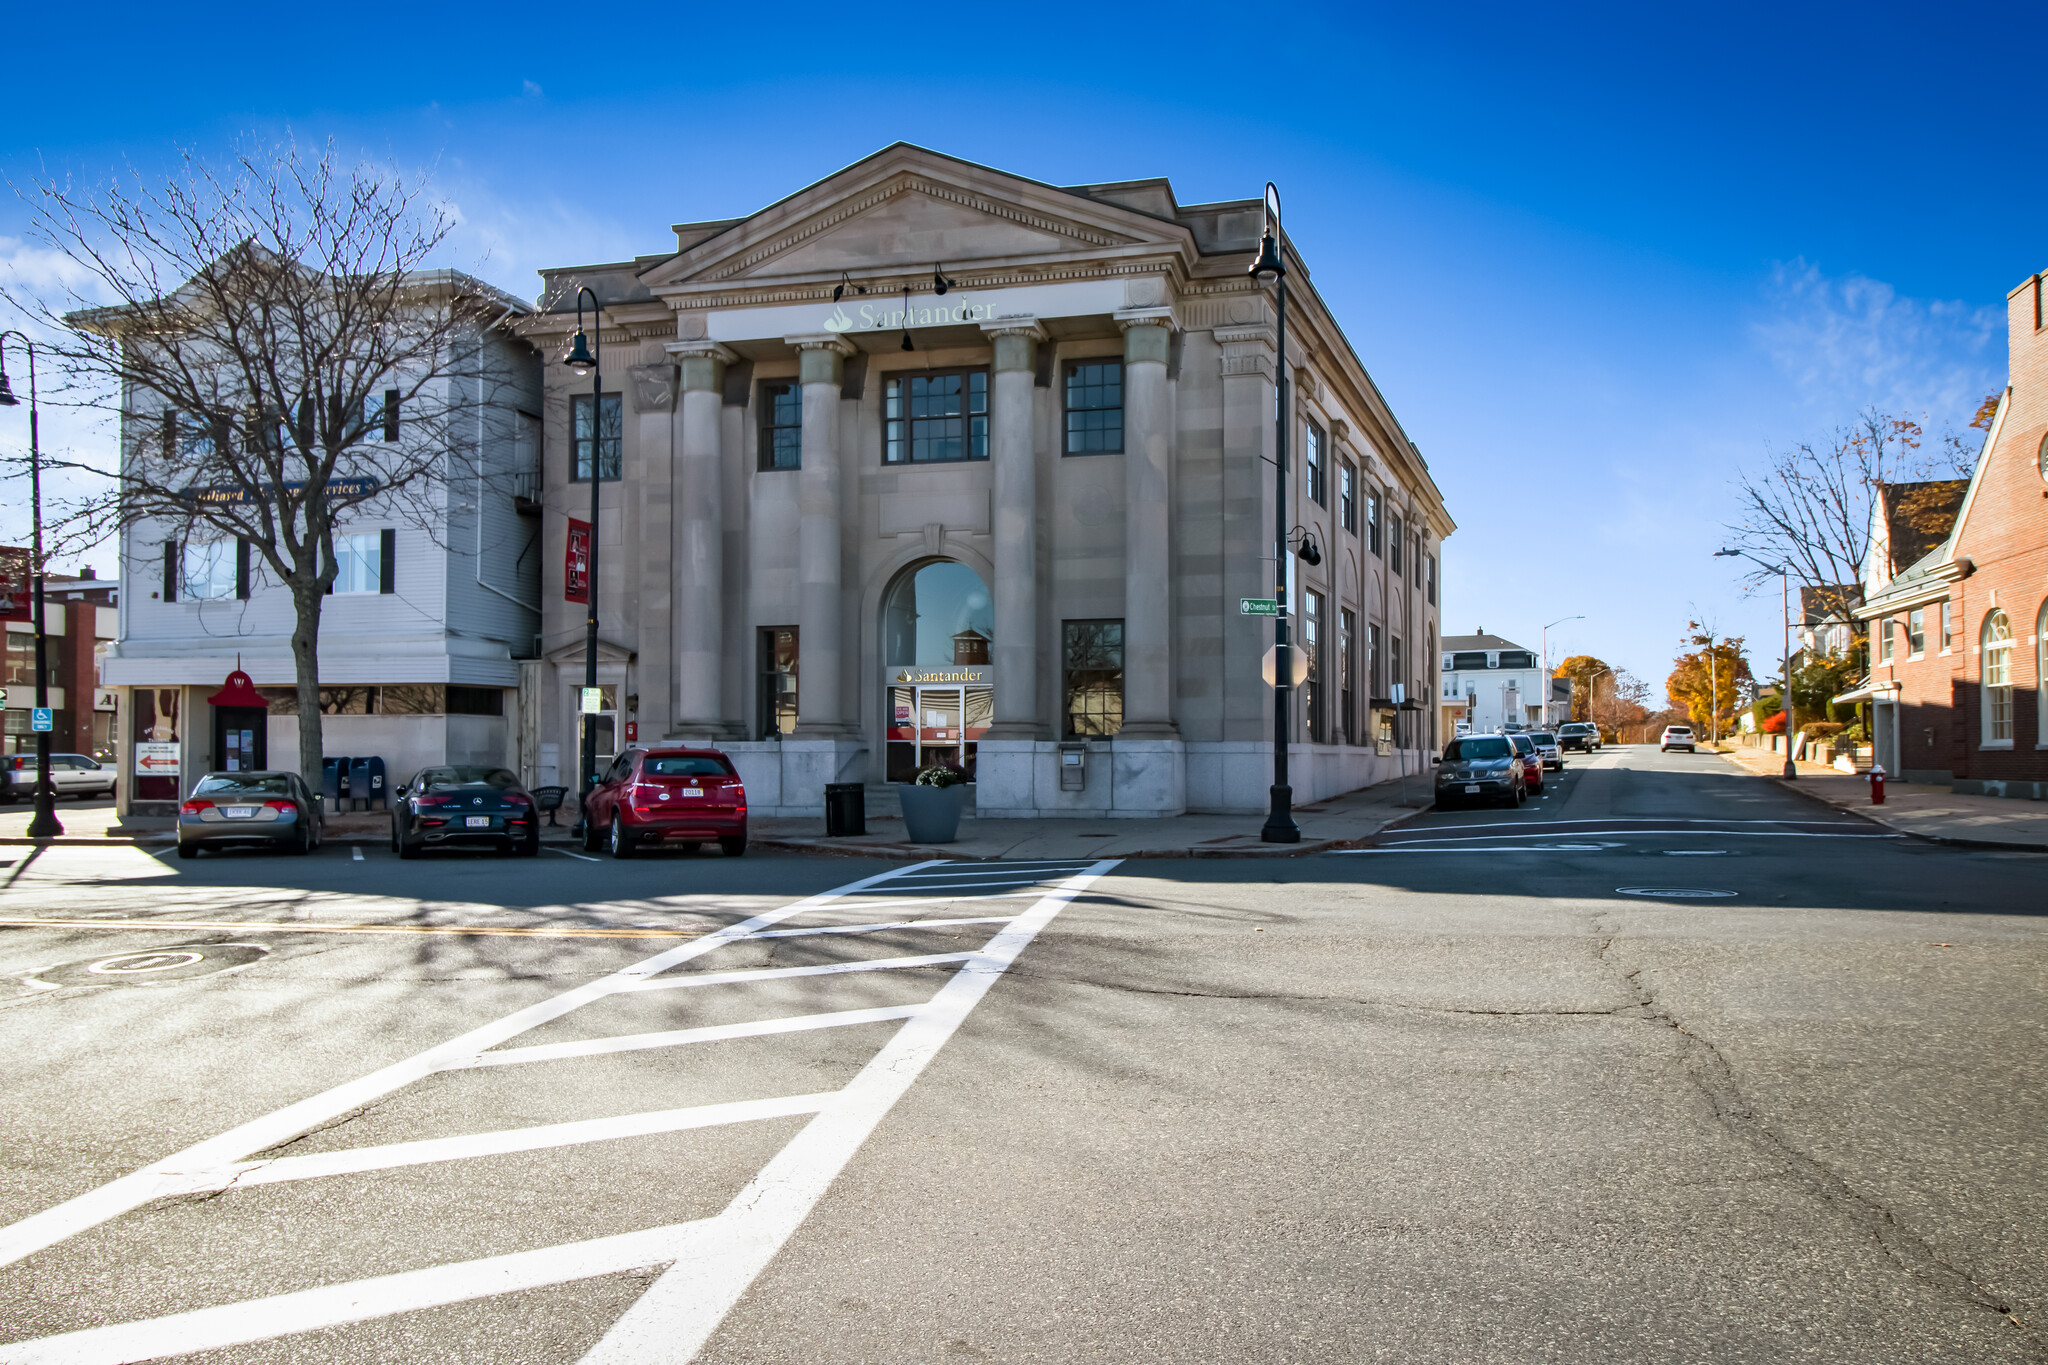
(1579, 734)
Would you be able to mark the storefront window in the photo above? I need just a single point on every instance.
(777, 680)
(1095, 407)
(1093, 665)
(932, 418)
(782, 426)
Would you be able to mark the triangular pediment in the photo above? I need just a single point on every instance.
(906, 209)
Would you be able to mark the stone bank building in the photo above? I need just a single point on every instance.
(932, 463)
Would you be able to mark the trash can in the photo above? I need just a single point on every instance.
(334, 780)
(846, 809)
(366, 782)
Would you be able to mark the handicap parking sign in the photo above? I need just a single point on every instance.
(39, 720)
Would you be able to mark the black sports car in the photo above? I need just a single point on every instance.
(464, 807)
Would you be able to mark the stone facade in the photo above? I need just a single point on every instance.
(764, 495)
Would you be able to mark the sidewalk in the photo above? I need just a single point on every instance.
(1346, 821)
(1923, 809)
(95, 823)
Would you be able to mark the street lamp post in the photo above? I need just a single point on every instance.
(1546, 664)
(583, 359)
(1279, 827)
(44, 825)
(1784, 573)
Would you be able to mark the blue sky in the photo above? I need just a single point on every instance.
(1596, 258)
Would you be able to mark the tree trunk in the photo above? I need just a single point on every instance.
(306, 604)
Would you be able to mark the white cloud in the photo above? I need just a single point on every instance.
(1848, 342)
(532, 90)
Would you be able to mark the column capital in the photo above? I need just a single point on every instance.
(1015, 325)
(703, 364)
(821, 341)
(693, 350)
(1127, 318)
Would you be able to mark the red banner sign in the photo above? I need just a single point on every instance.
(17, 594)
(576, 563)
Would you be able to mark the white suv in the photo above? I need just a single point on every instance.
(1676, 737)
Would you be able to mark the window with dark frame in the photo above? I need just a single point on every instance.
(610, 435)
(776, 715)
(1396, 538)
(1095, 407)
(1429, 594)
(935, 418)
(1375, 663)
(1347, 671)
(1312, 649)
(782, 425)
(1347, 496)
(1947, 626)
(1916, 632)
(1372, 522)
(1092, 671)
(1312, 461)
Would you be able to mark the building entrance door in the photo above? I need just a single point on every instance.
(936, 724)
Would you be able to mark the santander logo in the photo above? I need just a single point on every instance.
(839, 321)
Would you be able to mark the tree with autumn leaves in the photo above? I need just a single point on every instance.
(1711, 681)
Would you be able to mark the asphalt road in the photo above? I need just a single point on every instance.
(1488, 1092)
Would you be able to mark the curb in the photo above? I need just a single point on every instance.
(1991, 845)
(85, 841)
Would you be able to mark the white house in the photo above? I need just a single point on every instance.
(1497, 681)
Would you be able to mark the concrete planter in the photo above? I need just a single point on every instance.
(931, 815)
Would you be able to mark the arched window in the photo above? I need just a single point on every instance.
(1997, 686)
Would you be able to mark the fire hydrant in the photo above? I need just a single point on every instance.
(1877, 785)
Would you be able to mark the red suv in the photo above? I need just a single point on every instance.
(1531, 759)
(677, 797)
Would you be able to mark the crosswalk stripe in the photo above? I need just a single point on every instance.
(887, 924)
(713, 1033)
(747, 976)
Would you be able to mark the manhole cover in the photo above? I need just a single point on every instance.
(148, 966)
(1672, 893)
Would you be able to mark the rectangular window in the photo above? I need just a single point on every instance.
(1372, 522)
(207, 570)
(1312, 460)
(1397, 667)
(380, 416)
(933, 418)
(21, 661)
(1375, 663)
(611, 426)
(1947, 628)
(1415, 557)
(1095, 407)
(1396, 538)
(192, 438)
(1430, 590)
(1092, 666)
(1347, 673)
(1884, 640)
(1347, 496)
(782, 426)
(475, 701)
(1916, 632)
(777, 713)
(359, 560)
(1312, 647)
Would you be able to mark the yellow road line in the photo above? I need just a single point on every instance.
(309, 927)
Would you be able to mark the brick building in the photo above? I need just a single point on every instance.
(81, 621)
(1957, 687)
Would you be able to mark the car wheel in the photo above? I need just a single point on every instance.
(529, 847)
(302, 844)
(406, 850)
(621, 845)
(733, 848)
(591, 838)
(186, 850)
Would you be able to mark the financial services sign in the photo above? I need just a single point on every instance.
(241, 494)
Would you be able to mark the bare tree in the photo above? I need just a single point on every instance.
(1617, 699)
(1811, 505)
(279, 358)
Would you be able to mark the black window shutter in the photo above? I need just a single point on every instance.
(387, 561)
(242, 567)
(391, 414)
(170, 571)
(170, 435)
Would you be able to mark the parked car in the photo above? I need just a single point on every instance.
(678, 797)
(1676, 737)
(252, 809)
(465, 806)
(1532, 762)
(1546, 749)
(70, 775)
(1479, 769)
(1579, 734)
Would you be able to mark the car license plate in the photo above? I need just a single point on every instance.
(238, 812)
(479, 822)
(693, 791)
(1472, 788)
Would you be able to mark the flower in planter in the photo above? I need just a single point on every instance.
(941, 775)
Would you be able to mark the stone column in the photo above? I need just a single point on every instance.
(1148, 435)
(697, 549)
(1013, 457)
(821, 707)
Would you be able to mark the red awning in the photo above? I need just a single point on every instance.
(238, 691)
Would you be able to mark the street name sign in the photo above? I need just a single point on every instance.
(1258, 606)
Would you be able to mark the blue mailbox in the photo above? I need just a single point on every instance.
(334, 780)
(366, 783)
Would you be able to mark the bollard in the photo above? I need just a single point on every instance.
(1877, 785)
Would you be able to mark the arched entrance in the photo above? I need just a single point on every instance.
(937, 625)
